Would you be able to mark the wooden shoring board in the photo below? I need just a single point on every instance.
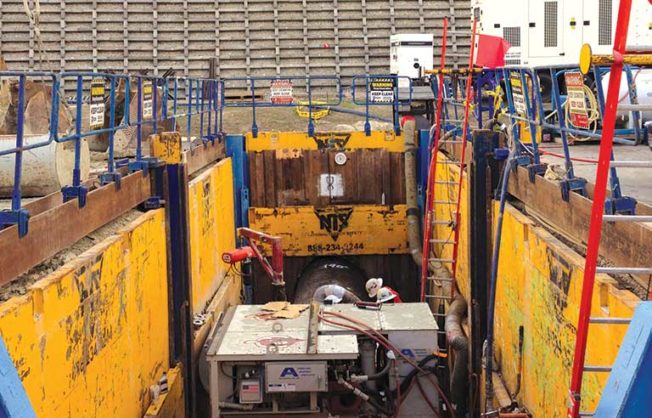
(59, 227)
(626, 244)
(52, 200)
(203, 155)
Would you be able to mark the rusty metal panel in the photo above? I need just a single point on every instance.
(324, 141)
(335, 230)
(90, 338)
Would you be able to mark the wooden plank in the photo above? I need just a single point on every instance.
(383, 169)
(55, 199)
(270, 179)
(348, 175)
(292, 187)
(203, 155)
(62, 226)
(257, 179)
(369, 177)
(625, 244)
(397, 178)
(311, 171)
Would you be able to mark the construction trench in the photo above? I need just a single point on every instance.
(205, 247)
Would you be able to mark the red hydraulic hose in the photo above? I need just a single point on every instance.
(579, 160)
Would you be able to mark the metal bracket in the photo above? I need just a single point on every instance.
(108, 178)
(501, 154)
(522, 160)
(576, 184)
(154, 202)
(75, 192)
(620, 206)
(536, 169)
(18, 217)
(145, 164)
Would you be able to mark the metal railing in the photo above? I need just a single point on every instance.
(314, 93)
(157, 100)
(528, 109)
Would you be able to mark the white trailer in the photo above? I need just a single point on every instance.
(551, 32)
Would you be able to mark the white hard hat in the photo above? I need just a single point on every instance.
(332, 299)
(384, 295)
(373, 285)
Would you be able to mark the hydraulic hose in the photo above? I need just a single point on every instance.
(491, 300)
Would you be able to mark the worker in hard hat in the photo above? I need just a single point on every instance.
(383, 294)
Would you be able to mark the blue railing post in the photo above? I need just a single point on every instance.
(189, 115)
(254, 127)
(202, 86)
(311, 124)
(17, 215)
(221, 105)
(367, 125)
(111, 175)
(77, 190)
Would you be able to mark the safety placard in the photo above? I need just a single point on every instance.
(281, 91)
(517, 94)
(381, 90)
(576, 102)
(96, 109)
(148, 108)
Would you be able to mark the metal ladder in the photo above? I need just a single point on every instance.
(427, 281)
(597, 218)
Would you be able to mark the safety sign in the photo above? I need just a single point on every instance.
(96, 109)
(381, 90)
(576, 102)
(281, 91)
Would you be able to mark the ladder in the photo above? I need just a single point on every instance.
(453, 199)
(605, 163)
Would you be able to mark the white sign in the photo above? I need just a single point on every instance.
(281, 91)
(579, 115)
(381, 90)
(517, 95)
(148, 109)
(331, 185)
(96, 110)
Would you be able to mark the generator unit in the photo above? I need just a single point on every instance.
(410, 55)
(259, 364)
(551, 32)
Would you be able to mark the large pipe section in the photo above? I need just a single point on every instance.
(413, 221)
(460, 344)
(46, 169)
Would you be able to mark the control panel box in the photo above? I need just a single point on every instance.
(306, 376)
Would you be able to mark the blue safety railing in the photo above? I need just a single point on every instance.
(541, 116)
(158, 100)
(309, 92)
(257, 84)
(378, 96)
(454, 99)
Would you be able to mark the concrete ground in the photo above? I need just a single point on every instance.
(635, 182)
